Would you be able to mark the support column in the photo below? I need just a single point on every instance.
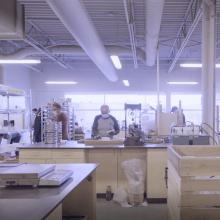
(168, 100)
(2, 80)
(157, 119)
(208, 64)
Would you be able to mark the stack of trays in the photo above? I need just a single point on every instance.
(52, 132)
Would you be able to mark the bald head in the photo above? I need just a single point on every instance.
(104, 109)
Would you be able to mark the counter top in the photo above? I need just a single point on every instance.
(37, 203)
(75, 145)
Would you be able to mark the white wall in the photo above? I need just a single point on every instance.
(17, 76)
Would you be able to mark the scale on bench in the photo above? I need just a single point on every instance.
(34, 175)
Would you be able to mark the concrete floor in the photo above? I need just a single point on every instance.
(112, 211)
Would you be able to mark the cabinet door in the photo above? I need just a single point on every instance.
(156, 171)
(128, 154)
(106, 173)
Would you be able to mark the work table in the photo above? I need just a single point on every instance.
(37, 203)
(75, 145)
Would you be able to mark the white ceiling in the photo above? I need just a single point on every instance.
(109, 20)
(110, 23)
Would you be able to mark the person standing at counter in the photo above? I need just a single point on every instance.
(105, 125)
(61, 117)
(175, 110)
(37, 125)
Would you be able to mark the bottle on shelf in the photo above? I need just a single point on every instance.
(108, 195)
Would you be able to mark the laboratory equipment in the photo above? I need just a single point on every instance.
(133, 133)
(132, 116)
(55, 178)
(24, 175)
(189, 135)
(34, 175)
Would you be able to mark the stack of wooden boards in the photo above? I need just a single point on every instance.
(194, 182)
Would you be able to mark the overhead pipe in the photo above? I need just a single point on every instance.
(75, 18)
(131, 29)
(154, 11)
(71, 50)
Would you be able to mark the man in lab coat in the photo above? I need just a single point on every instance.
(105, 125)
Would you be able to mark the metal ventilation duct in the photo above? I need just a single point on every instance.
(154, 11)
(75, 18)
(11, 20)
(71, 50)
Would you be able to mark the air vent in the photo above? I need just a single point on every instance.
(11, 20)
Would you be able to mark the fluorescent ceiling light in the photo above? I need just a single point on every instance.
(195, 65)
(182, 83)
(61, 82)
(126, 82)
(20, 61)
(116, 61)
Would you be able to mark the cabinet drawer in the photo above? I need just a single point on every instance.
(67, 153)
(74, 160)
(100, 153)
(35, 153)
(32, 160)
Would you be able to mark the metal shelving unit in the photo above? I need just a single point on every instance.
(67, 107)
(52, 130)
(11, 92)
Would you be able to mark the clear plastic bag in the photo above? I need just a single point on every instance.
(135, 172)
(121, 197)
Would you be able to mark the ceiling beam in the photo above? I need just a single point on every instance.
(42, 48)
(193, 14)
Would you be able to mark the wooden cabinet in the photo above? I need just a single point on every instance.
(128, 154)
(106, 173)
(69, 155)
(35, 153)
(52, 155)
(156, 171)
(109, 171)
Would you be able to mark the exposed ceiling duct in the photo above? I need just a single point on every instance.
(154, 11)
(75, 51)
(11, 20)
(75, 18)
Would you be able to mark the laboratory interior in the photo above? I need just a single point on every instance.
(109, 109)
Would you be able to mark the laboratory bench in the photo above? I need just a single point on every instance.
(75, 197)
(110, 158)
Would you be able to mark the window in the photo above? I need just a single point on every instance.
(86, 107)
(191, 105)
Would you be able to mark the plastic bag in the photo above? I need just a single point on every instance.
(135, 172)
(121, 197)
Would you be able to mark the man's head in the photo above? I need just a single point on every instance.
(34, 110)
(56, 107)
(174, 109)
(104, 109)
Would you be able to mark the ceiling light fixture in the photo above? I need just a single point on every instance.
(126, 82)
(195, 65)
(61, 82)
(116, 61)
(20, 61)
(182, 83)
